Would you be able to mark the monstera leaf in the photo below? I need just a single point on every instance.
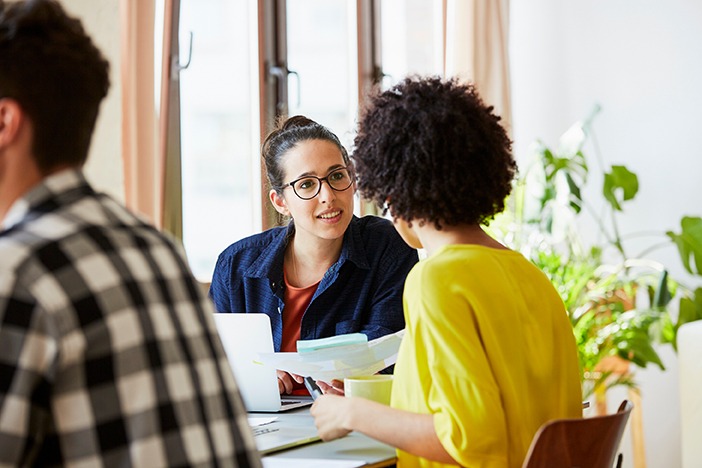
(689, 243)
(620, 185)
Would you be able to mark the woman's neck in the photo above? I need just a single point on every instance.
(307, 261)
(433, 239)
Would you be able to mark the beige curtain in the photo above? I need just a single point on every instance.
(151, 137)
(143, 164)
(477, 49)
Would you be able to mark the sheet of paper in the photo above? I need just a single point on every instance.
(341, 361)
(310, 463)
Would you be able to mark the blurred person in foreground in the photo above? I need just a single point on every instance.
(108, 351)
(489, 353)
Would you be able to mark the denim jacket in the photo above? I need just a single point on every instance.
(361, 292)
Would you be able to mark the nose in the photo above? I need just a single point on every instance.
(326, 193)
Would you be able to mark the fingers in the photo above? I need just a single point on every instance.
(325, 387)
(327, 411)
(298, 378)
(338, 385)
(285, 382)
(327, 436)
(329, 389)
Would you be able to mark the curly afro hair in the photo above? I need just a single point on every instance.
(431, 151)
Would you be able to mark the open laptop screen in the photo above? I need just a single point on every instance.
(244, 336)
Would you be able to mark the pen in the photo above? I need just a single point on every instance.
(312, 387)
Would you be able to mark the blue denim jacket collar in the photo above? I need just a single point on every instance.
(270, 263)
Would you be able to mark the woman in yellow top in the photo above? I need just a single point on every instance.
(489, 353)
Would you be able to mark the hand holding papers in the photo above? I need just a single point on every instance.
(326, 361)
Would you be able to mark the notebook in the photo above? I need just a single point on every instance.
(243, 337)
(280, 433)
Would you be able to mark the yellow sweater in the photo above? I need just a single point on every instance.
(489, 351)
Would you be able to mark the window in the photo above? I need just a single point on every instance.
(254, 60)
(411, 38)
(318, 51)
(219, 170)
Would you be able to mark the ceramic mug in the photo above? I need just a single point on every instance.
(371, 387)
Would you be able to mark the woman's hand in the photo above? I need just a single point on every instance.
(331, 416)
(336, 416)
(286, 381)
(335, 387)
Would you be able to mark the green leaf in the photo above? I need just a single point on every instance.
(664, 331)
(638, 348)
(662, 295)
(619, 185)
(690, 308)
(549, 163)
(576, 199)
(689, 243)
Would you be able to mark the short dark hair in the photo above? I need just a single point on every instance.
(286, 135)
(430, 150)
(50, 66)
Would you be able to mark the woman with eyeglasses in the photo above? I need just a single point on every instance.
(327, 272)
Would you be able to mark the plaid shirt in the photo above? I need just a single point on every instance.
(108, 352)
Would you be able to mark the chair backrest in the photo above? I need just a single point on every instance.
(583, 442)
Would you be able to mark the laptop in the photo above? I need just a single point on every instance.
(244, 335)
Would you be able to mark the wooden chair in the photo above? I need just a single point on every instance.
(583, 443)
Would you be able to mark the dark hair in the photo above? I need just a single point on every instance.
(49, 65)
(430, 150)
(287, 134)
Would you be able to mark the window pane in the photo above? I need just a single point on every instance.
(410, 38)
(218, 158)
(318, 50)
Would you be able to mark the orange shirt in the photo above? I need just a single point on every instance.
(296, 302)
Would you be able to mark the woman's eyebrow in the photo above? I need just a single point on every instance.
(334, 168)
(311, 173)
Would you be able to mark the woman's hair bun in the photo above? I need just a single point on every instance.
(297, 121)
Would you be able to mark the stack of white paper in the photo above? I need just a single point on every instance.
(340, 361)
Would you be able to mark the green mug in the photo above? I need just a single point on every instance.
(371, 387)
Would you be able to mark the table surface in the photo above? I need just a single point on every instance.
(354, 446)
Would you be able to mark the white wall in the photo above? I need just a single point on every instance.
(641, 60)
(104, 167)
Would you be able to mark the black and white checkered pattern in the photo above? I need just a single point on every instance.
(108, 351)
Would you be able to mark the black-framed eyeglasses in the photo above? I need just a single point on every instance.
(308, 187)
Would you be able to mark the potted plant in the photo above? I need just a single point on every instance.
(620, 304)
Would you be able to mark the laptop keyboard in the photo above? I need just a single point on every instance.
(289, 402)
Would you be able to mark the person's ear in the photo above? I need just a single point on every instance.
(279, 203)
(11, 117)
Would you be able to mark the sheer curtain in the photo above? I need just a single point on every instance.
(477, 49)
